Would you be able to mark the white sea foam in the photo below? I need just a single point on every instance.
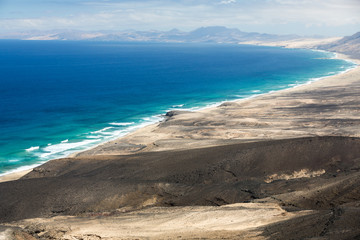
(143, 123)
(101, 131)
(241, 96)
(122, 124)
(13, 160)
(149, 120)
(94, 136)
(177, 106)
(19, 169)
(330, 55)
(334, 55)
(63, 149)
(32, 149)
(190, 109)
(110, 133)
(261, 92)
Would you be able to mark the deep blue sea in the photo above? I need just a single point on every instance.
(58, 97)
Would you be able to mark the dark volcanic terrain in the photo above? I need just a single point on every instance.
(319, 174)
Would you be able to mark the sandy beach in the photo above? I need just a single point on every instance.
(309, 43)
(326, 107)
(283, 165)
(14, 176)
(263, 117)
(240, 121)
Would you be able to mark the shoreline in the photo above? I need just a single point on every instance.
(132, 138)
(18, 174)
(285, 161)
(254, 96)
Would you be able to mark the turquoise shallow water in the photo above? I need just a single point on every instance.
(58, 97)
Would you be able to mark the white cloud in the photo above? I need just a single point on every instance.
(227, 1)
(272, 16)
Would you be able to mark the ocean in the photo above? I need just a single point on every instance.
(59, 97)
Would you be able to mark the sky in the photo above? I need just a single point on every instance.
(302, 17)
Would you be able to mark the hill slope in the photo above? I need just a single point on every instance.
(318, 174)
(348, 45)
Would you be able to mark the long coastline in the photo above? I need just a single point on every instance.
(145, 139)
(148, 143)
(283, 165)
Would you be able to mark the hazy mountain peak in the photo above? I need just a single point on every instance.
(216, 34)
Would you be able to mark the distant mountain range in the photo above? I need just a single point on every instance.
(348, 45)
(216, 34)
